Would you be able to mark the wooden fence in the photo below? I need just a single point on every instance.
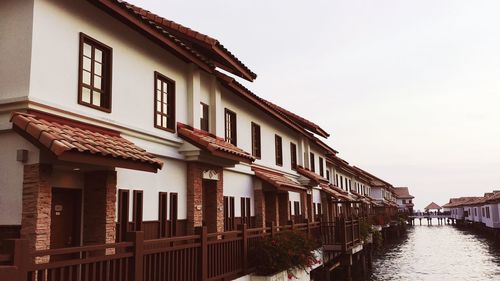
(200, 257)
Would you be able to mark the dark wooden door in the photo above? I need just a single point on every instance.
(209, 203)
(65, 218)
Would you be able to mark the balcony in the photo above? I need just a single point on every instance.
(203, 256)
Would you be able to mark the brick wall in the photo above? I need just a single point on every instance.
(37, 200)
(99, 207)
(195, 197)
(259, 208)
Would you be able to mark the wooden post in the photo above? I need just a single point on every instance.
(292, 224)
(273, 230)
(137, 237)
(244, 237)
(19, 249)
(202, 231)
(308, 230)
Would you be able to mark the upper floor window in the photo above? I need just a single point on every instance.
(230, 126)
(293, 155)
(256, 140)
(328, 175)
(164, 103)
(204, 117)
(321, 171)
(313, 168)
(279, 150)
(94, 77)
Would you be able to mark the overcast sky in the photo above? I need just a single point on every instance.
(410, 90)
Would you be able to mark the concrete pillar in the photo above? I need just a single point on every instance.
(193, 96)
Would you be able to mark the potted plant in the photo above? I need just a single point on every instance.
(278, 257)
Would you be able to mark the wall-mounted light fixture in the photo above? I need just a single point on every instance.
(22, 155)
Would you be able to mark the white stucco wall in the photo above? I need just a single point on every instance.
(245, 115)
(239, 185)
(11, 176)
(16, 22)
(54, 69)
(172, 178)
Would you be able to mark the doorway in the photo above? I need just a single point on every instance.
(209, 204)
(65, 226)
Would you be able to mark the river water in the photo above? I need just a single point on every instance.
(438, 253)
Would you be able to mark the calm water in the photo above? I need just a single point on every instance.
(435, 253)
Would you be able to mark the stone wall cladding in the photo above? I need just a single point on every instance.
(37, 200)
(195, 199)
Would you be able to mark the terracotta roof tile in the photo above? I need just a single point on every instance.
(317, 179)
(61, 138)
(276, 179)
(214, 145)
(191, 36)
(402, 192)
(309, 125)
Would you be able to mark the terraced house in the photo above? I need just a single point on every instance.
(130, 151)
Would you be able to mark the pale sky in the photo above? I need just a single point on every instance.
(409, 90)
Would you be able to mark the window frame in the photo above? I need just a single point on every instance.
(204, 107)
(235, 137)
(170, 82)
(321, 168)
(107, 69)
(278, 147)
(312, 164)
(256, 149)
(293, 156)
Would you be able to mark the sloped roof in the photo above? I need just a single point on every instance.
(214, 145)
(276, 179)
(317, 179)
(309, 125)
(433, 206)
(65, 138)
(402, 193)
(203, 46)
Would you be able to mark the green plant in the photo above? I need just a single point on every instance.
(287, 250)
(365, 228)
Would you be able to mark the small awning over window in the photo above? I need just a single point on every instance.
(312, 176)
(338, 194)
(78, 142)
(213, 145)
(278, 180)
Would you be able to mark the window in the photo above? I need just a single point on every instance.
(164, 103)
(204, 121)
(482, 211)
(488, 212)
(341, 182)
(162, 213)
(293, 156)
(228, 213)
(328, 175)
(138, 206)
(296, 208)
(256, 140)
(337, 180)
(278, 150)
(312, 168)
(321, 171)
(173, 214)
(94, 77)
(123, 211)
(245, 210)
(230, 126)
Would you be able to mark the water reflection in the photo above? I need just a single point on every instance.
(431, 253)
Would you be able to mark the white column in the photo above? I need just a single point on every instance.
(216, 110)
(193, 91)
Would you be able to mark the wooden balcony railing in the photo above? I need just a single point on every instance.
(198, 257)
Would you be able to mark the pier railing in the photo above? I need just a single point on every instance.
(199, 257)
